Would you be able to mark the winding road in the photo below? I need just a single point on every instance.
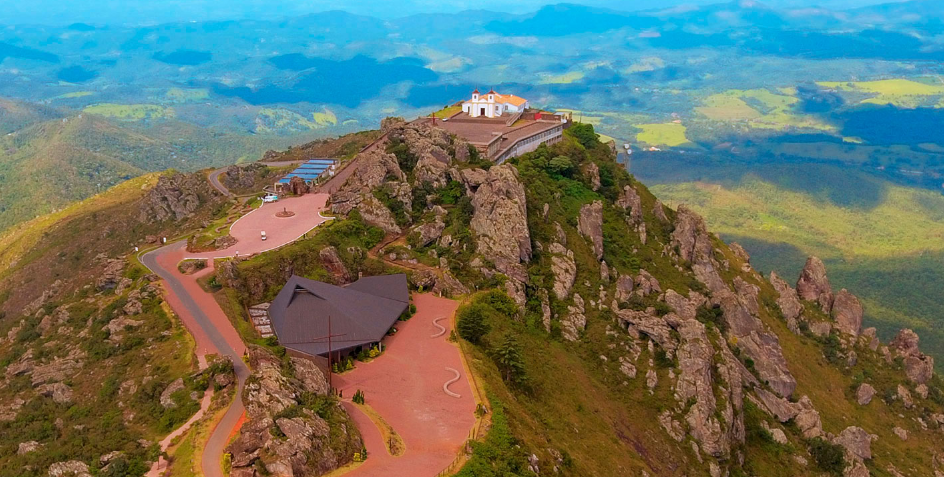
(201, 314)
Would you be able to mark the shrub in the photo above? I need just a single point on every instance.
(828, 456)
(500, 302)
(510, 362)
(662, 359)
(406, 159)
(713, 315)
(472, 322)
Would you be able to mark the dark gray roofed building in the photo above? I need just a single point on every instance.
(361, 313)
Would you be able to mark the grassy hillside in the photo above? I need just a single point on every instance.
(91, 345)
(877, 238)
(571, 403)
(46, 165)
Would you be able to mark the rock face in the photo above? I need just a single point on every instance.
(740, 309)
(175, 197)
(788, 301)
(241, 177)
(632, 203)
(590, 225)
(593, 173)
(814, 286)
(500, 221)
(334, 265)
(847, 311)
(574, 321)
(429, 232)
(301, 443)
(564, 269)
(918, 367)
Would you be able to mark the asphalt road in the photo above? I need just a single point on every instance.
(194, 306)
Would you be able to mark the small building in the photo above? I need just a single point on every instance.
(357, 316)
(493, 105)
(309, 171)
(502, 126)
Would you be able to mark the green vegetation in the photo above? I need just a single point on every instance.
(899, 92)
(131, 112)
(499, 455)
(665, 134)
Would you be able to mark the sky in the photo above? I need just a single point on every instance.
(149, 12)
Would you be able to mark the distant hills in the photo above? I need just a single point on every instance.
(51, 158)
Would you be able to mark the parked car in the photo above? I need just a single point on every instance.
(270, 198)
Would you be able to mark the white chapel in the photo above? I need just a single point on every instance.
(493, 105)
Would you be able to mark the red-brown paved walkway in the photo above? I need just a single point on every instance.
(279, 231)
(404, 385)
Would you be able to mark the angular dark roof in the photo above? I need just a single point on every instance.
(361, 313)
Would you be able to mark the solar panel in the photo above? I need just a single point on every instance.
(320, 161)
(312, 168)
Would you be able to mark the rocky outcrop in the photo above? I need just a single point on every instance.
(282, 436)
(630, 201)
(27, 447)
(789, 302)
(650, 324)
(646, 284)
(919, 367)
(176, 196)
(334, 265)
(740, 309)
(72, 468)
(696, 383)
(624, 287)
(428, 232)
(593, 174)
(111, 275)
(242, 177)
(856, 442)
(167, 396)
(814, 286)
(590, 225)
(864, 394)
(847, 311)
(574, 321)
(564, 269)
(59, 392)
(500, 221)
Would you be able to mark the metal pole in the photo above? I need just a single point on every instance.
(330, 370)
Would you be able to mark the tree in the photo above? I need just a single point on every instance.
(472, 323)
(509, 360)
(561, 165)
(584, 134)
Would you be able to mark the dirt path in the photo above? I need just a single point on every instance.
(405, 385)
